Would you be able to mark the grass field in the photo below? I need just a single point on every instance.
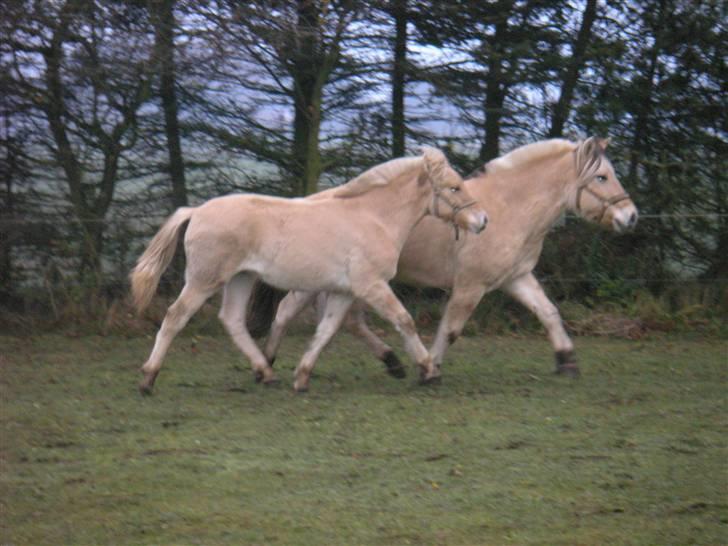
(503, 452)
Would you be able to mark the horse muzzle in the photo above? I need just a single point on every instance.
(624, 218)
(476, 221)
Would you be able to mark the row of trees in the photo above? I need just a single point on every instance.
(117, 112)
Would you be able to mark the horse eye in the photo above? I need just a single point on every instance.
(601, 178)
(454, 190)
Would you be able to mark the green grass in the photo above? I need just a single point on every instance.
(503, 452)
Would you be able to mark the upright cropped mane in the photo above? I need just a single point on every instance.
(530, 152)
(375, 177)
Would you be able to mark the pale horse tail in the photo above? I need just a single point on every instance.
(156, 258)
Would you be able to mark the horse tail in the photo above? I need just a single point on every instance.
(262, 308)
(156, 258)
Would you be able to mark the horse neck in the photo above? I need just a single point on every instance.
(400, 204)
(535, 194)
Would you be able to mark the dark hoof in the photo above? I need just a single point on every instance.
(566, 364)
(144, 389)
(435, 380)
(300, 390)
(271, 382)
(146, 386)
(394, 365)
(258, 376)
(568, 370)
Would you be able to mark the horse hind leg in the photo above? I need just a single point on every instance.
(459, 308)
(290, 306)
(235, 298)
(179, 313)
(333, 314)
(357, 323)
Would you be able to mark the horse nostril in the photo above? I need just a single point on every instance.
(483, 223)
(633, 219)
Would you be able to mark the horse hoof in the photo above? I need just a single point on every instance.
(144, 389)
(147, 384)
(433, 380)
(394, 365)
(300, 390)
(271, 381)
(568, 370)
(258, 376)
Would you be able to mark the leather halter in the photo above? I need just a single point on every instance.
(455, 209)
(606, 202)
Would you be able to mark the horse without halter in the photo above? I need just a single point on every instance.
(347, 245)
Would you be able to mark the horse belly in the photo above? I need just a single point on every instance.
(301, 274)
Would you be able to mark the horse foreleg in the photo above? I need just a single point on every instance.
(289, 308)
(528, 291)
(357, 323)
(333, 314)
(463, 301)
(380, 297)
(179, 313)
(235, 298)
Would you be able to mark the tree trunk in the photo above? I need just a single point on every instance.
(308, 87)
(644, 98)
(571, 74)
(165, 25)
(8, 212)
(495, 93)
(91, 201)
(399, 12)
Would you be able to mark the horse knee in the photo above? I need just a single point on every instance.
(405, 324)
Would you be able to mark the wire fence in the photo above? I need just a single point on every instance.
(138, 229)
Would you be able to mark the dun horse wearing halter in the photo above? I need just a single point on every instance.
(346, 244)
(526, 192)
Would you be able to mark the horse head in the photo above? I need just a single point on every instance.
(599, 196)
(451, 202)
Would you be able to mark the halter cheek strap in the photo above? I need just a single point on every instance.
(455, 210)
(606, 202)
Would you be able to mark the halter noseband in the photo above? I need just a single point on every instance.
(606, 202)
(455, 209)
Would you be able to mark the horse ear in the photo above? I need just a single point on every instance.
(603, 143)
(589, 145)
(435, 162)
(594, 147)
(588, 155)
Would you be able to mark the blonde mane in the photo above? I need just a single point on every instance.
(375, 177)
(530, 152)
